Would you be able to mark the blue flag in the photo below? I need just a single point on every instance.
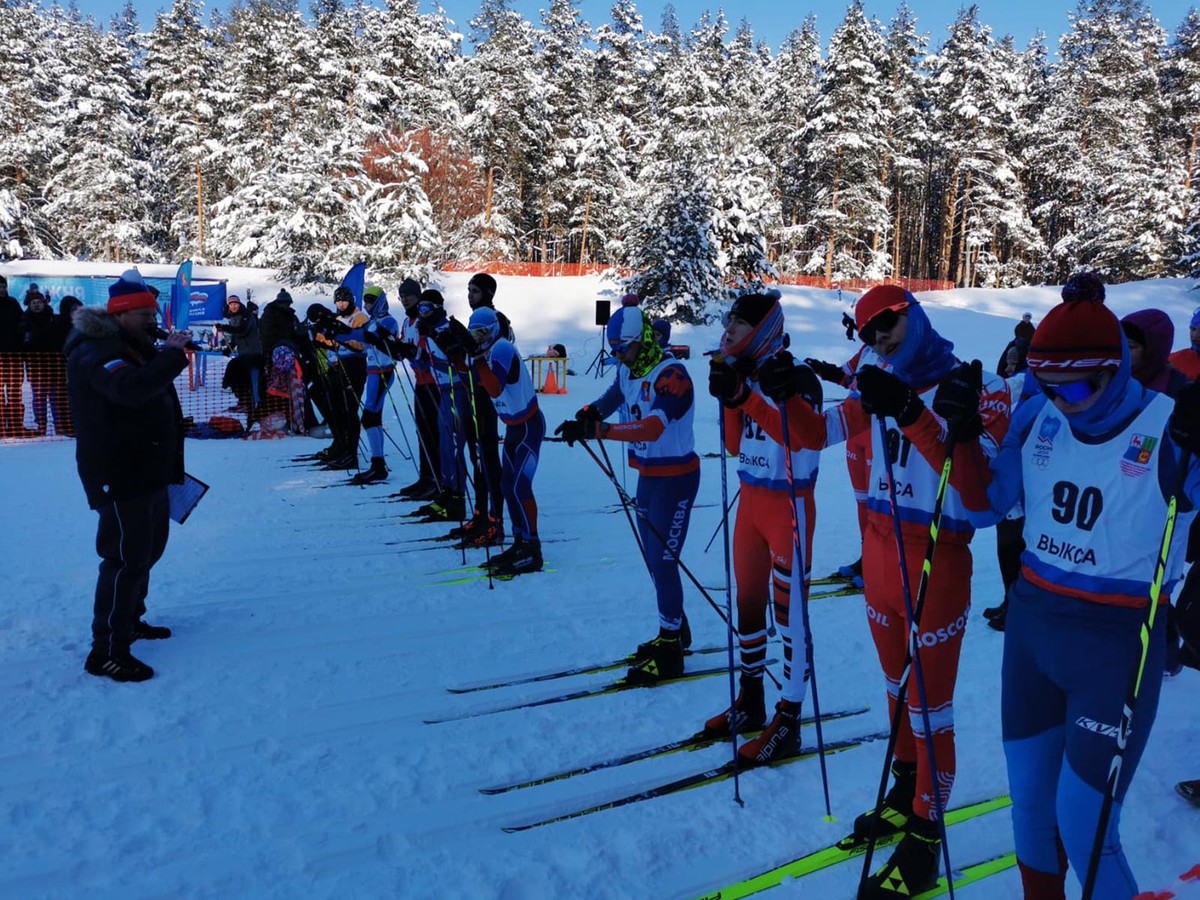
(179, 311)
(356, 280)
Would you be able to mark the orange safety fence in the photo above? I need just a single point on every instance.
(34, 403)
(564, 269)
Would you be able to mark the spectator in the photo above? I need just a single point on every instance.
(129, 449)
(245, 370)
(39, 340)
(1187, 360)
(277, 323)
(59, 405)
(12, 406)
(1150, 335)
(1022, 335)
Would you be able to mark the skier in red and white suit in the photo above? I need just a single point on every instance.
(764, 546)
(894, 325)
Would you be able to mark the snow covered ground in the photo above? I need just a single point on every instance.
(280, 751)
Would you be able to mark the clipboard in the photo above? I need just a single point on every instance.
(184, 497)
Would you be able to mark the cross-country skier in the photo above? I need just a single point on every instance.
(764, 549)
(486, 526)
(656, 403)
(1096, 457)
(499, 372)
(433, 326)
(381, 372)
(425, 396)
(347, 372)
(894, 325)
(1187, 360)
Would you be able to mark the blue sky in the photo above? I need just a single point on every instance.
(773, 19)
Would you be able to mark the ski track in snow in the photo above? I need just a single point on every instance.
(280, 749)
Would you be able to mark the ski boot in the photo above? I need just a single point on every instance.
(1189, 791)
(852, 573)
(913, 867)
(749, 711)
(665, 660)
(458, 532)
(342, 463)
(778, 740)
(447, 507)
(643, 649)
(526, 557)
(489, 534)
(376, 473)
(897, 805)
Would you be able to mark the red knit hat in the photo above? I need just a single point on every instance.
(130, 292)
(878, 299)
(1081, 334)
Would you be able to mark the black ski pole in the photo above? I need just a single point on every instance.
(912, 654)
(724, 525)
(728, 507)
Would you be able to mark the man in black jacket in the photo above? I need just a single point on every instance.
(12, 407)
(129, 447)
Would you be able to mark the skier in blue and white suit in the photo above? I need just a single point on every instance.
(381, 372)
(499, 371)
(657, 404)
(1095, 457)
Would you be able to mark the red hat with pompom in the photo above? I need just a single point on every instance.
(879, 298)
(1081, 334)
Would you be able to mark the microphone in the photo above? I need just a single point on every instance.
(162, 334)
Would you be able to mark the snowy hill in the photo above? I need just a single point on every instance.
(281, 751)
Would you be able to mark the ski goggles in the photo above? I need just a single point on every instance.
(622, 346)
(480, 335)
(425, 307)
(1073, 391)
(885, 320)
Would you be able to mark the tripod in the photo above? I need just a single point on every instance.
(601, 358)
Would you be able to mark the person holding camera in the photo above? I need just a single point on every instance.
(129, 448)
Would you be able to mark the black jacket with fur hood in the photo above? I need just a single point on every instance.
(128, 422)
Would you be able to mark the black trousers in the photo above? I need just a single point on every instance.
(131, 538)
(425, 401)
(1010, 544)
(483, 439)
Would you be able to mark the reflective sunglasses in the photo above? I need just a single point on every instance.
(424, 308)
(883, 321)
(622, 347)
(1073, 391)
(481, 334)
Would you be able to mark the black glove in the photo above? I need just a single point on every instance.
(851, 327)
(573, 430)
(957, 400)
(462, 335)
(777, 376)
(883, 394)
(589, 415)
(402, 349)
(219, 327)
(1185, 420)
(827, 371)
(727, 383)
(375, 339)
(333, 326)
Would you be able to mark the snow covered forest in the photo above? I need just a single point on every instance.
(689, 158)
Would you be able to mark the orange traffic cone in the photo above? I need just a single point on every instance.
(551, 385)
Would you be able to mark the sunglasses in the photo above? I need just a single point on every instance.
(622, 347)
(481, 334)
(884, 321)
(424, 308)
(1073, 391)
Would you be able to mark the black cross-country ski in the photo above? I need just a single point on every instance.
(847, 848)
(709, 776)
(587, 669)
(697, 741)
(612, 687)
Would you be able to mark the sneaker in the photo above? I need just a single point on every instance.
(665, 660)
(144, 631)
(750, 711)
(526, 557)
(778, 740)
(643, 649)
(913, 867)
(376, 473)
(897, 805)
(120, 666)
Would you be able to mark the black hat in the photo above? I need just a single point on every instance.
(753, 308)
(344, 295)
(410, 287)
(283, 297)
(434, 297)
(486, 284)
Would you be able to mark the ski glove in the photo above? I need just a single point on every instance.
(827, 371)
(883, 394)
(1185, 420)
(957, 400)
(727, 383)
(777, 376)
(573, 430)
(588, 414)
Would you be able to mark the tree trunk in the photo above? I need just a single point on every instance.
(587, 210)
(837, 175)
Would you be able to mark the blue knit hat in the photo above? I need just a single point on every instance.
(130, 292)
